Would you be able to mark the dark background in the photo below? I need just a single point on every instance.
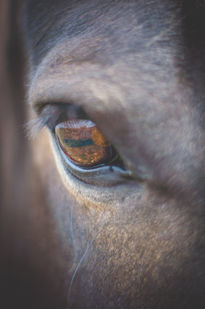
(18, 286)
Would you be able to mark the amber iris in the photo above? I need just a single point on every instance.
(83, 143)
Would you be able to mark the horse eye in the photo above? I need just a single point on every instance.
(83, 143)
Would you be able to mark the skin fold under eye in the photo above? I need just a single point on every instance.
(83, 143)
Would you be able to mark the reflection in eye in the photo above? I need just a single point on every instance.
(83, 143)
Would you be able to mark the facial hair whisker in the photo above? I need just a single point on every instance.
(83, 258)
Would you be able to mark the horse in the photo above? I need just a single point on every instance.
(113, 210)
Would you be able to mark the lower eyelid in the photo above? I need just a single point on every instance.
(102, 175)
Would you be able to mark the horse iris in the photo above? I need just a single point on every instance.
(83, 143)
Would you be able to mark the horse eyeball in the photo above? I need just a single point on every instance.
(83, 143)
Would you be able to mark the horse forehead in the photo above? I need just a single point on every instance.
(119, 25)
(124, 47)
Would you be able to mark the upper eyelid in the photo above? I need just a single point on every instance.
(49, 114)
(35, 125)
(52, 112)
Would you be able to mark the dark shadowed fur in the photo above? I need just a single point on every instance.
(137, 68)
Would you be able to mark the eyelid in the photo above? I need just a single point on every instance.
(102, 175)
(50, 114)
(47, 115)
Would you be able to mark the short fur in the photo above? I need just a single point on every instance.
(137, 69)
